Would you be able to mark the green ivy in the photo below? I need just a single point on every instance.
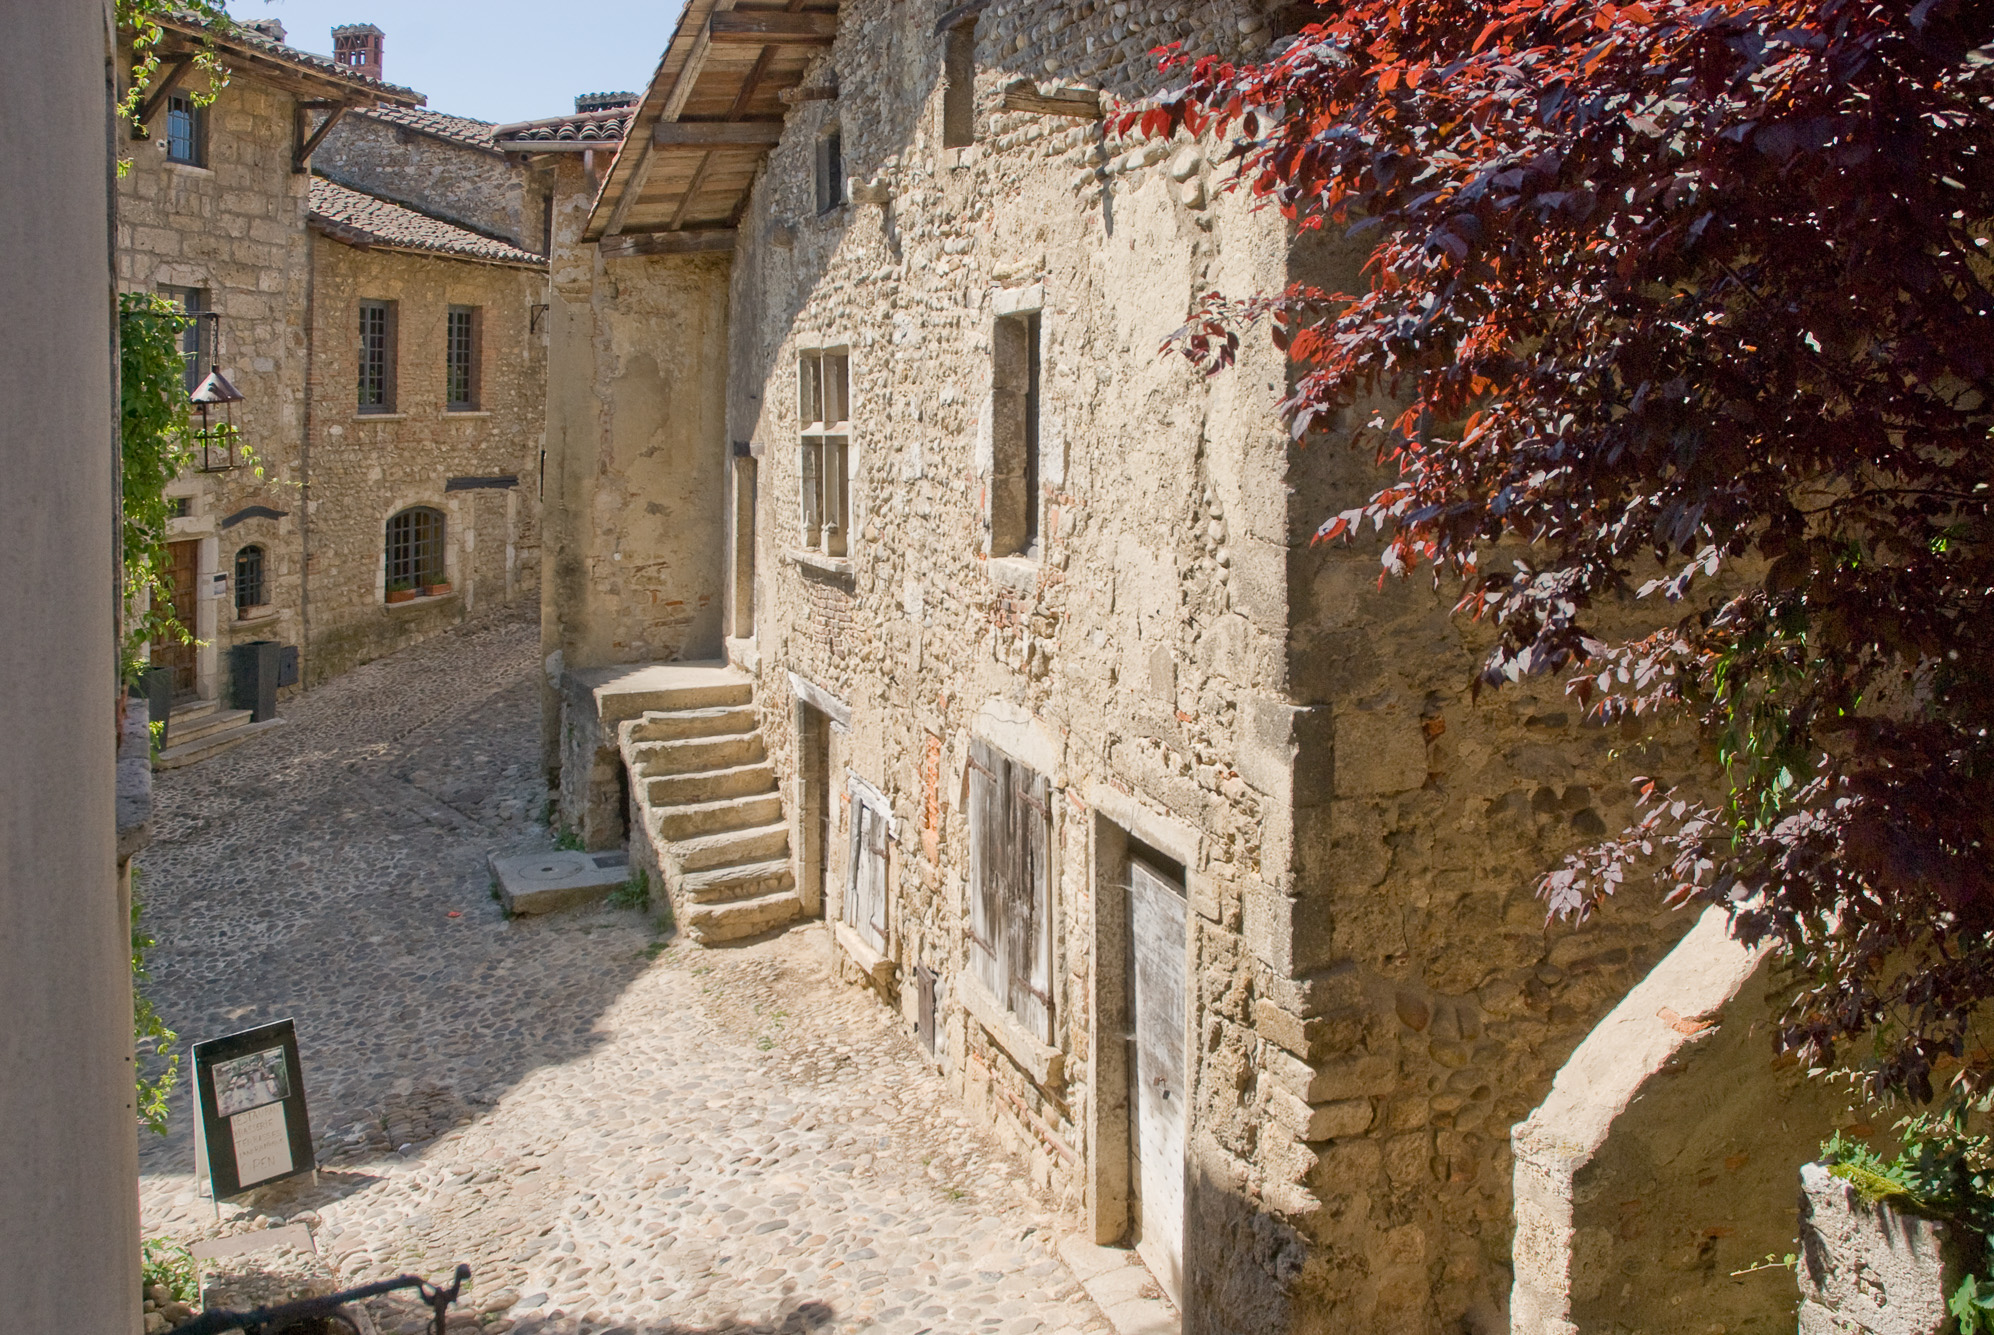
(149, 1032)
(140, 19)
(157, 441)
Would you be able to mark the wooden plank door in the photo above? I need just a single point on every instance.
(865, 899)
(1156, 924)
(182, 568)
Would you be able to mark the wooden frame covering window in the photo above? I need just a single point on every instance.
(824, 380)
(1010, 894)
(959, 84)
(1016, 499)
(377, 356)
(464, 330)
(865, 895)
(249, 590)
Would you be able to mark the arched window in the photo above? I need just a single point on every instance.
(249, 579)
(415, 550)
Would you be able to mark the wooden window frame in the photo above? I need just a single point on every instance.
(423, 558)
(465, 356)
(260, 583)
(195, 117)
(1011, 886)
(385, 387)
(824, 380)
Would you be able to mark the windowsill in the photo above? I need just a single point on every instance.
(380, 417)
(1045, 1065)
(424, 601)
(193, 168)
(267, 614)
(840, 566)
(467, 412)
(1017, 573)
(873, 964)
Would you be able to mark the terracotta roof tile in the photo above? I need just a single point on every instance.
(456, 129)
(604, 127)
(248, 38)
(364, 220)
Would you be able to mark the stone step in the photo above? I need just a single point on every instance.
(714, 721)
(742, 880)
(189, 710)
(692, 820)
(668, 790)
(725, 691)
(736, 918)
(188, 753)
(697, 753)
(754, 843)
(181, 732)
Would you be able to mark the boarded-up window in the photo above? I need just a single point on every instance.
(865, 898)
(1010, 900)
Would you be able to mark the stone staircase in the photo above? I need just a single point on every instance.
(200, 729)
(706, 813)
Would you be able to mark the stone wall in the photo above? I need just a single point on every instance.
(235, 228)
(478, 188)
(480, 468)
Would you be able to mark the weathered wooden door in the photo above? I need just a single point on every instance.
(1010, 903)
(182, 568)
(1156, 923)
(865, 899)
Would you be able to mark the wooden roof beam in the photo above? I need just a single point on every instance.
(740, 27)
(716, 134)
(690, 242)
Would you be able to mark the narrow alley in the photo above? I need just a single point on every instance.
(613, 1130)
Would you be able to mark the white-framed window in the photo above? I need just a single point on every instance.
(824, 389)
(865, 895)
(1010, 893)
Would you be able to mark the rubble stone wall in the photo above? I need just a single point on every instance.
(234, 228)
(365, 467)
(476, 187)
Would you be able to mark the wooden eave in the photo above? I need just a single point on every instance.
(732, 71)
(302, 80)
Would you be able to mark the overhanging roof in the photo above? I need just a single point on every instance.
(711, 114)
(251, 53)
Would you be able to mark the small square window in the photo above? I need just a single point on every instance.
(186, 131)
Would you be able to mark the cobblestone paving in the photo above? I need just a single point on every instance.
(615, 1131)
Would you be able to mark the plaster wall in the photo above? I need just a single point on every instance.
(636, 449)
(366, 467)
(69, 1233)
(235, 228)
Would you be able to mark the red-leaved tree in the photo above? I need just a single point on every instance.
(1693, 298)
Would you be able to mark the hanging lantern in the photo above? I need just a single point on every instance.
(216, 437)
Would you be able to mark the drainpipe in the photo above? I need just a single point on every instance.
(305, 460)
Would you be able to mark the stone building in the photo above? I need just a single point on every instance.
(891, 573)
(221, 211)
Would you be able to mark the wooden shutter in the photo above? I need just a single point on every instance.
(1028, 903)
(865, 897)
(988, 839)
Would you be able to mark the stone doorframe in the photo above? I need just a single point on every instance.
(1117, 820)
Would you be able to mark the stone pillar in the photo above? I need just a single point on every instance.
(68, 1142)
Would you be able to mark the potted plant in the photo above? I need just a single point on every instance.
(437, 590)
(402, 591)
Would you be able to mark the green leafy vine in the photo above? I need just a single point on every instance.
(149, 1032)
(157, 442)
(139, 19)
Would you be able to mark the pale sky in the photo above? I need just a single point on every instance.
(497, 60)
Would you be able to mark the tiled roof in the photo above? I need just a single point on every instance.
(364, 220)
(604, 127)
(456, 129)
(249, 39)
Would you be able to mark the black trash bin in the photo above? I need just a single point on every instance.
(159, 700)
(252, 678)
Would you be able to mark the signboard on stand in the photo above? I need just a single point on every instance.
(251, 1127)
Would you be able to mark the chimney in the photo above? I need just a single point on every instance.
(356, 49)
(588, 102)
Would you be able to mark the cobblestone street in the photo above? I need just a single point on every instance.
(614, 1131)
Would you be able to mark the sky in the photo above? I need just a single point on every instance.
(496, 60)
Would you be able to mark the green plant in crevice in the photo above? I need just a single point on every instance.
(1942, 1171)
(634, 893)
(165, 1262)
(150, 1036)
(568, 840)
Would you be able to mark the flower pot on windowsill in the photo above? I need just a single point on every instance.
(437, 590)
(403, 595)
